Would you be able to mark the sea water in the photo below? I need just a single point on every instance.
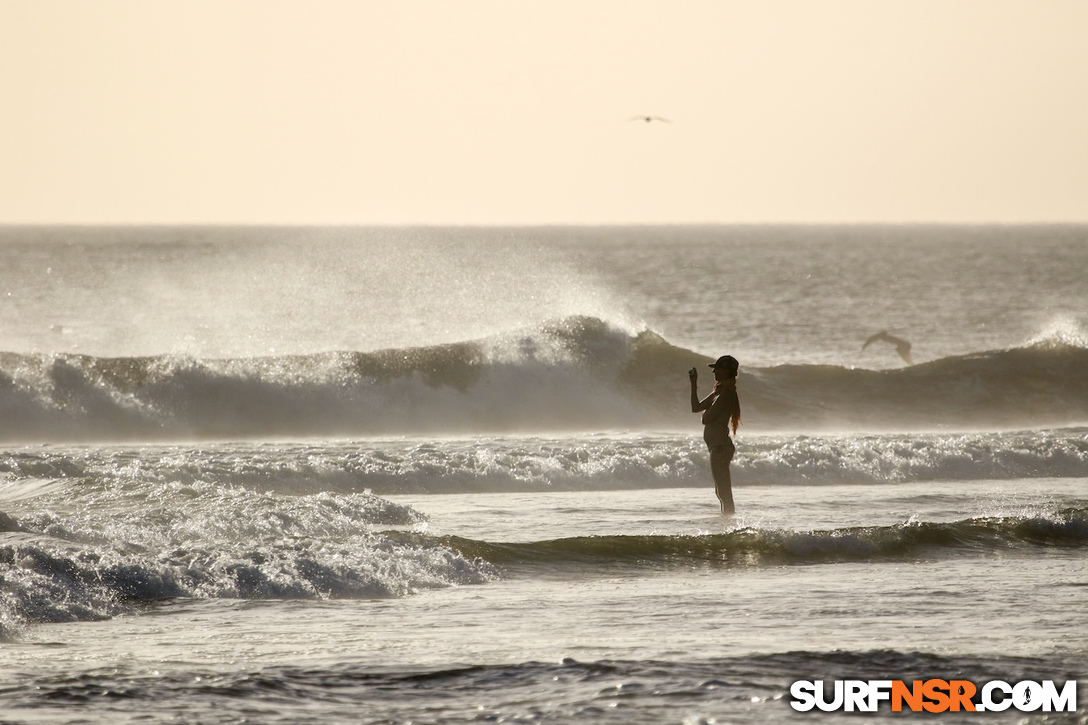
(449, 475)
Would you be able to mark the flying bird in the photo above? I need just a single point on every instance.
(649, 119)
(901, 346)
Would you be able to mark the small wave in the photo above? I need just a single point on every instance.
(573, 374)
(765, 547)
(750, 688)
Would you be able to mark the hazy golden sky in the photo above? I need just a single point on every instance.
(511, 112)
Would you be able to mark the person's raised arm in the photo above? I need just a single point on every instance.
(696, 404)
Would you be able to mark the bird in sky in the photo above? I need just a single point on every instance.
(901, 346)
(649, 119)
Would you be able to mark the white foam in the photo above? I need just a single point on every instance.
(1062, 330)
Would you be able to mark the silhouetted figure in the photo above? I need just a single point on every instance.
(649, 119)
(901, 346)
(720, 410)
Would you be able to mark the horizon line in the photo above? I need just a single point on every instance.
(534, 225)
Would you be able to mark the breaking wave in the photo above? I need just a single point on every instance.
(164, 542)
(546, 463)
(578, 373)
(208, 542)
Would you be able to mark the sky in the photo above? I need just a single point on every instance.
(512, 112)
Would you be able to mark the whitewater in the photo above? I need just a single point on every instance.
(451, 474)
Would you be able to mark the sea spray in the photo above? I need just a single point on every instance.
(574, 374)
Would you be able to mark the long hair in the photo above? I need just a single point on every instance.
(729, 387)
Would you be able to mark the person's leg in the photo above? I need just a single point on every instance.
(720, 456)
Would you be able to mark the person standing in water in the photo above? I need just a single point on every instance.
(720, 409)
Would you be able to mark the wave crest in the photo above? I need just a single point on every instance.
(578, 373)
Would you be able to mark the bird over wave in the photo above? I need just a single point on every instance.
(901, 346)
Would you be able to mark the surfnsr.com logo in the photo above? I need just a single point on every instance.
(934, 696)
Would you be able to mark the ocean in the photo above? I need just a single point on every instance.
(450, 475)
